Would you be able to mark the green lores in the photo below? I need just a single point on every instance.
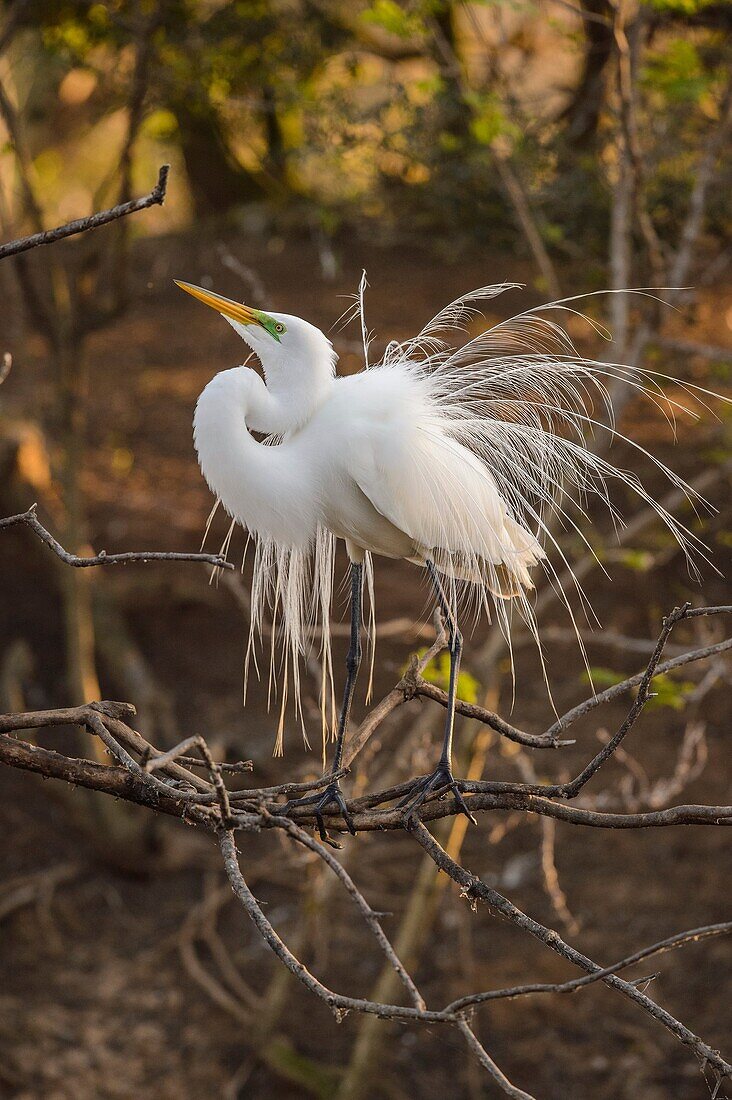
(273, 327)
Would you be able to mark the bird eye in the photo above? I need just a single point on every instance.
(279, 327)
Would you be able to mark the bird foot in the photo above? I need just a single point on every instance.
(331, 796)
(439, 783)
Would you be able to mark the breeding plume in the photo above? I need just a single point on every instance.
(459, 459)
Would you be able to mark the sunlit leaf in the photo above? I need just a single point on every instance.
(603, 677)
(640, 561)
(393, 18)
(438, 672)
(668, 692)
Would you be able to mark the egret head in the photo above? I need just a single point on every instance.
(277, 338)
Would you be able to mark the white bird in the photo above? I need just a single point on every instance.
(455, 459)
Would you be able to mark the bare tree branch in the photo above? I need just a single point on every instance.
(488, 1064)
(247, 813)
(255, 807)
(413, 684)
(474, 887)
(366, 911)
(30, 519)
(697, 203)
(679, 940)
(548, 740)
(616, 690)
(161, 782)
(93, 221)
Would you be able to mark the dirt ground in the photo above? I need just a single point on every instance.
(100, 986)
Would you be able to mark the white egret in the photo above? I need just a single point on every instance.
(454, 459)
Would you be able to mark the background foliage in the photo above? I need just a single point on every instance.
(571, 145)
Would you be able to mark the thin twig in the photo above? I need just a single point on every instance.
(488, 1064)
(339, 1004)
(93, 221)
(549, 739)
(214, 808)
(617, 690)
(692, 936)
(644, 686)
(474, 887)
(366, 911)
(288, 789)
(487, 717)
(30, 519)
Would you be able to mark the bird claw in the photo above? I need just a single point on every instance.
(332, 795)
(439, 783)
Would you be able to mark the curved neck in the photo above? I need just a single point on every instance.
(300, 372)
(293, 393)
(251, 480)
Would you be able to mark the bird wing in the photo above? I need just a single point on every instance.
(357, 520)
(435, 490)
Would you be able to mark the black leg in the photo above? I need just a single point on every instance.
(442, 776)
(353, 660)
(333, 795)
(455, 648)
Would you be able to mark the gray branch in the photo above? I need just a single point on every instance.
(165, 783)
(93, 221)
(30, 519)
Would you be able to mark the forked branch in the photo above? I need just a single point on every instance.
(170, 783)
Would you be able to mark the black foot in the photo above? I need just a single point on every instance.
(440, 782)
(332, 795)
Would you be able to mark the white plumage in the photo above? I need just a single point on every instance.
(460, 456)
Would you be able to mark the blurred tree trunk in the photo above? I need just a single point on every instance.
(276, 151)
(72, 381)
(582, 114)
(64, 296)
(417, 923)
(456, 113)
(217, 180)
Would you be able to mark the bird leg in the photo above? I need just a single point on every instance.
(332, 795)
(442, 779)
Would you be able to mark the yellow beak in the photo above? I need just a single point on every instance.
(238, 312)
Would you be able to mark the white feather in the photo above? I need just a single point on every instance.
(468, 455)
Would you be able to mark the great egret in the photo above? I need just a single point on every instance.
(451, 458)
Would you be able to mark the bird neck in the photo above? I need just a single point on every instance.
(294, 391)
(254, 482)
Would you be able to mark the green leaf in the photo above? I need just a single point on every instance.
(683, 7)
(677, 72)
(438, 672)
(488, 119)
(669, 692)
(392, 18)
(603, 677)
(160, 125)
(640, 561)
